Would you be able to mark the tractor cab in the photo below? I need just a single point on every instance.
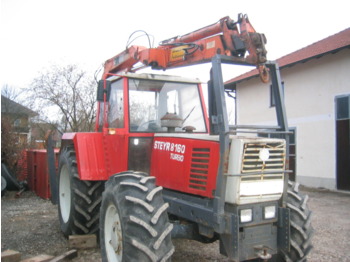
(148, 103)
(147, 121)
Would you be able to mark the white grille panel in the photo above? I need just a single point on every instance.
(256, 170)
(251, 162)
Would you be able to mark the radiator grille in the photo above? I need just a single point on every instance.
(252, 163)
(199, 168)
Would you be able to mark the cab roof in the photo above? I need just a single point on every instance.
(147, 76)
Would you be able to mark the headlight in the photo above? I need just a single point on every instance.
(246, 215)
(269, 212)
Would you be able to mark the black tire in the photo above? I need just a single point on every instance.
(300, 229)
(134, 222)
(78, 201)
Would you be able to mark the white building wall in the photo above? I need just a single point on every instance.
(310, 91)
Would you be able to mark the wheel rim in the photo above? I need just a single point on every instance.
(65, 194)
(113, 235)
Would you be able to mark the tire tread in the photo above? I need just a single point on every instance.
(300, 222)
(86, 199)
(146, 233)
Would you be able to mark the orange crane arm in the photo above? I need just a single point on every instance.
(236, 39)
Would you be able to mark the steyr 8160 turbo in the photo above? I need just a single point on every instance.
(160, 165)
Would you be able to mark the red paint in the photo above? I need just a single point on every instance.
(38, 174)
(100, 154)
(116, 151)
(185, 164)
(90, 155)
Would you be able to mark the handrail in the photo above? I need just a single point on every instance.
(259, 173)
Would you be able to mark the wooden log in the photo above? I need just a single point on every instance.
(82, 241)
(68, 255)
(10, 256)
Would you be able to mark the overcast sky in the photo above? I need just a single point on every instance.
(37, 33)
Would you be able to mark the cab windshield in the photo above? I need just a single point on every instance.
(160, 106)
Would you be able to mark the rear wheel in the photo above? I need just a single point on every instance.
(134, 221)
(301, 230)
(79, 201)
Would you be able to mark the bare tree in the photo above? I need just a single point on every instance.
(11, 93)
(69, 89)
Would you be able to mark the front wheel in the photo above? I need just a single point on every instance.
(134, 222)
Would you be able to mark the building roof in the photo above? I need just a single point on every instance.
(12, 107)
(331, 44)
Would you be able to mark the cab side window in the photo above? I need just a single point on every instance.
(116, 105)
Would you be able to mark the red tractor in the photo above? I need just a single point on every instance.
(160, 166)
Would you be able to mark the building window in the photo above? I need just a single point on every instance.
(17, 123)
(272, 97)
(343, 107)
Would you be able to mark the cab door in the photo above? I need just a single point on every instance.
(115, 132)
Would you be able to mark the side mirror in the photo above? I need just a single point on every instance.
(101, 90)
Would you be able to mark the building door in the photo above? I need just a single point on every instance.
(343, 142)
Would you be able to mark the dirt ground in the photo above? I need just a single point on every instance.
(30, 225)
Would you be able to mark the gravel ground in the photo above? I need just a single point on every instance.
(30, 225)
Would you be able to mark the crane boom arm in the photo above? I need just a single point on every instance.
(236, 39)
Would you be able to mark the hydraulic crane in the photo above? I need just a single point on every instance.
(235, 39)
